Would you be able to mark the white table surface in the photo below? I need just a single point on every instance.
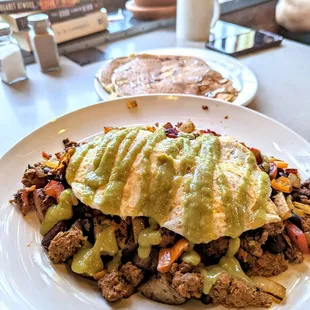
(283, 74)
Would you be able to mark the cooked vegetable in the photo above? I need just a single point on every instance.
(282, 184)
(53, 164)
(293, 208)
(25, 191)
(273, 171)
(305, 208)
(258, 155)
(281, 164)
(283, 208)
(298, 237)
(270, 287)
(290, 170)
(294, 179)
(187, 127)
(168, 256)
(54, 189)
(307, 234)
(45, 155)
(100, 274)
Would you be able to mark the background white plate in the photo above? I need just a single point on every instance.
(243, 78)
(27, 278)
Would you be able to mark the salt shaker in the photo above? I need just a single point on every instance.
(12, 68)
(43, 42)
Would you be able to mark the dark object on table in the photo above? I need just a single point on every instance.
(86, 56)
(245, 43)
(303, 37)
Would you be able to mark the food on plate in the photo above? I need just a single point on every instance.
(172, 212)
(149, 74)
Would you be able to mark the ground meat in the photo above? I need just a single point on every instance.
(42, 202)
(132, 274)
(122, 232)
(305, 223)
(211, 252)
(267, 265)
(168, 237)
(148, 264)
(184, 268)
(24, 200)
(293, 255)
(34, 176)
(65, 245)
(47, 239)
(252, 241)
(274, 229)
(68, 143)
(114, 287)
(188, 284)
(236, 293)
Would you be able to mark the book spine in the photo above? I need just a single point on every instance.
(80, 27)
(17, 6)
(60, 15)
(14, 6)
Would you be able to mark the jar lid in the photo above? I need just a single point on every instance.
(40, 20)
(5, 29)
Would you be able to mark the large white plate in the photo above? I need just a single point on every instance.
(243, 78)
(27, 278)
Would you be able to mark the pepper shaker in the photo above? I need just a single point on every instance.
(12, 68)
(43, 42)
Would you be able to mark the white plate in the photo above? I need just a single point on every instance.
(242, 77)
(27, 278)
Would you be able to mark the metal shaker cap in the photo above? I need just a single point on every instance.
(5, 29)
(40, 20)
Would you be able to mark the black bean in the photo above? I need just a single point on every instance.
(276, 244)
(296, 220)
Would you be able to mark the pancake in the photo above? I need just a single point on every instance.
(149, 74)
(202, 189)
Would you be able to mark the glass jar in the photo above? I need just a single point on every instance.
(43, 42)
(12, 68)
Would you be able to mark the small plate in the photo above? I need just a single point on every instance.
(242, 77)
(28, 280)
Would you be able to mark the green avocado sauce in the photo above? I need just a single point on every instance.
(198, 214)
(241, 201)
(231, 215)
(61, 211)
(88, 259)
(111, 200)
(259, 209)
(227, 263)
(148, 237)
(100, 176)
(146, 174)
(159, 201)
(191, 257)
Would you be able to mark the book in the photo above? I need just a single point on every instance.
(16, 6)
(18, 22)
(70, 29)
